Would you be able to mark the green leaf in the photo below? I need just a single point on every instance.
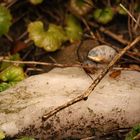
(73, 28)
(7, 64)
(2, 135)
(4, 85)
(58, 32)
(103, 16)
(26, 138)
(50, 40)
(36, 31)
(53, 38)
(134, 132)
(12, 73)
(35, 2)
(5, 20)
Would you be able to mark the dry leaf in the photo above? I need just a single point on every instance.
(115, 74)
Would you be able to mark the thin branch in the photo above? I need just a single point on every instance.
(89, 138)
(133, 18)
(9, 38)
(136, 25)
(11, 3)
(114, 36)
(47, 64)
(85, 95)
(87, 26)
(127, 69)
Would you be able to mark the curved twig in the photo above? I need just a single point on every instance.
(85, 95)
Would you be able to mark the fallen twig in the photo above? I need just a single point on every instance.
(127, 69)
(109, 33)
(85, 95)
(114, 36)
(136, 25)
(133, 18)
(10, 3)
(89, 138)
(87, 26)
(47, 64)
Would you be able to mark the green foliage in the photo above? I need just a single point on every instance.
(36, 31)
(26, 138)
(133, 133)
(103, 16)
(121, 11)
(35, 2)
(12, 73)
(5, 20)
(4, 85)
(2, 135)
(58, 31)
(7, 64)
(73, 28)
(50, 40)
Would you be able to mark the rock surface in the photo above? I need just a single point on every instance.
(115, 103)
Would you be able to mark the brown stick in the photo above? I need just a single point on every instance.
(114, 36)
(110, 33)
(85, 95)
(87, 26)
(47, 64)
(133, 18)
